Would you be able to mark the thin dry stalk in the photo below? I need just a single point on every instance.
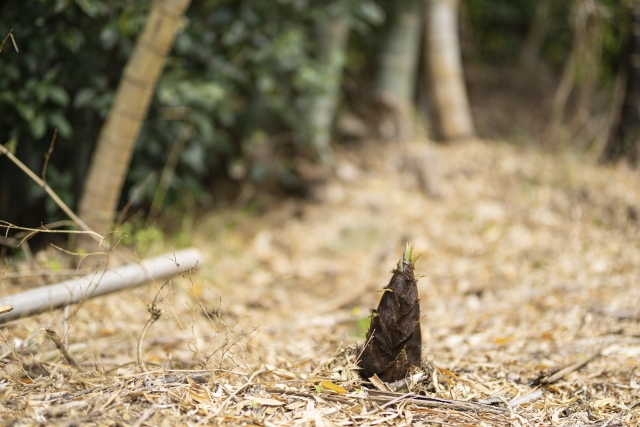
(573, 367)
(62, 205)
(42, 273)
(132, 199)
(15, 355)
(405, 383)
(583, 33)
(13, 40)
(48, 155)
(145, 416)
(31, 260)
(56, 411)
(32, 231)
(82, 257)
(19, 237)
(169, 168)
(20, 346)
(155, 315)
(60, 345)
(195, 295)
(205, 311)
(529, 397)
(432, 402)
(65, 324)
(249, 382)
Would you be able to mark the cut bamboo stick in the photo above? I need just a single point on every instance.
(72, 291)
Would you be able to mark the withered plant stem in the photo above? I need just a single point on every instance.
(155, 312)
(48, 155)
(567, 370)
(132, 200)
(13, 40)
(60, 345)
(224, 404)
(169, 169)
(51, 194)
(404, 383)
(12, 351)
(155, 315)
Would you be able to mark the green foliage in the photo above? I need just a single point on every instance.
(617, 24)
(62, 78)
(500, 28)
(241, 74)
(240, 68)
(361, 328)
(140, 236)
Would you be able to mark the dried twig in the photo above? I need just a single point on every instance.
(573, 367)
(379, 384)
(397, 399)
(62, 205)
(224, 404)
(12, 350)
(331, 397)
(26, 249)
(405, 383)
(145, 416)
(198, 377)
(48, 155)
(529, 397)
(155, 315)
(63, 348)
(56, 411)
(31, 231)
(132, 199)
(48, 273)
(13, 40)
(167, 173)
(6, 308)
(432, 402)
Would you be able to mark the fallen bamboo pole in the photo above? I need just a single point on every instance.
(73, 291)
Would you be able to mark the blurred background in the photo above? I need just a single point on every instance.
(256, 95)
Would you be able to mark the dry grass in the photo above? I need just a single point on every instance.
(530, 263)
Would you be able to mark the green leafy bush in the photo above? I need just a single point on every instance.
(240, 73)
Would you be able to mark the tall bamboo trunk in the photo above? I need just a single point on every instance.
(112, 155)
(444, 65)
(624, 138)
(332, 34)
(396, 78)
(530, 53)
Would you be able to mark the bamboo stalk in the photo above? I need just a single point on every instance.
(453, 116)
(40, 300)
(398, 63)
(332, 34)
(111, 158)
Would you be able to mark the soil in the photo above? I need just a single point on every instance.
(529, 263)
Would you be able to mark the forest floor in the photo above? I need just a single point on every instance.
(530, 263)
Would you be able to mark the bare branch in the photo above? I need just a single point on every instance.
(13, 40)
(51, 194)
(48, 155)
(63, 348)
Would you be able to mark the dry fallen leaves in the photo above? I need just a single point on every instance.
(531, 262)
